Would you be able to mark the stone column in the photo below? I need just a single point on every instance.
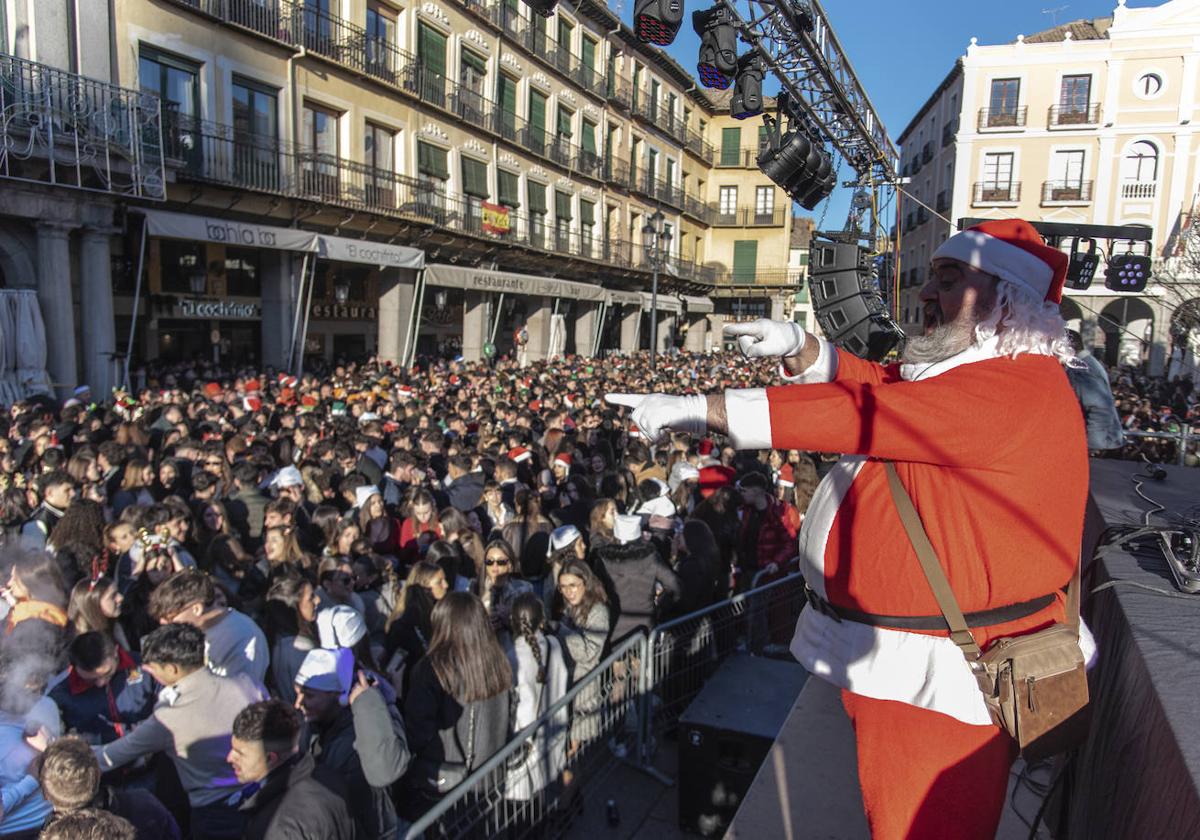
(98, 326)
(697, 334)
(280, 292)
(587, 321)
(54, 297)
(629, 328)
(777, 308)
(396, 289)
(538, 325)
(475, 324)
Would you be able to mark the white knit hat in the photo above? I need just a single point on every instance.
(561, 538)
(340, 627)
(289, 476)
(361, 494)
(328, 670)
(627, 529)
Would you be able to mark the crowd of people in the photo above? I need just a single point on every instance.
(1156, 404)
(240, 604)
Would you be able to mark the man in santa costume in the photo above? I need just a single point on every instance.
(987, 439)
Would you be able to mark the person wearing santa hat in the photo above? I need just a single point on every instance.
(986, 436)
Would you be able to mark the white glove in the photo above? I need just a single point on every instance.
(765, 338)
(656, 414)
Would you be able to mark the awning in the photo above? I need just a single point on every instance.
(698, 305)
(484, 280)
(624, 298)
(666, 302)
(250, 235)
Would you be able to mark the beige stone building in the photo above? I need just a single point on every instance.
(311, 147)
(1090, 122)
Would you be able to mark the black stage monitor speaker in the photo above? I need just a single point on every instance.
(726, 733)
(846, 299)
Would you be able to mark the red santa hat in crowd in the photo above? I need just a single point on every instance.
(563, 458)
(519, 454)
(1012, 250)
(714, 477)
(212, 390)
(252, 404)
(252, 386)
(786, 476)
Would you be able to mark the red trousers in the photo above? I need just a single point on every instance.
(925, 775)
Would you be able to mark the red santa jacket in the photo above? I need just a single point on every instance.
(992, 451)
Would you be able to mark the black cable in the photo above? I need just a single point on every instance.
(1058, 777)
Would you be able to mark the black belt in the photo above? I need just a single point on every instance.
(983, 618)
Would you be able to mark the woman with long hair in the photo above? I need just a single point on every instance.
(282, 552)
(212, 521)
(37, 617)
(341, 538)
(457, 708)
(529, 533)
(497, 582)
(78, 540)
(540, 678)
(379, 529)
(409, 627)
(234, 568)
(600, 523)
(456, 528)
(422, 517)
(698, 563)
(95, 606)
(583, 629)
(290, 615)
(135, 486)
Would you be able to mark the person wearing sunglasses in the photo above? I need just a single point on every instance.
(497, 582)
(336, 578)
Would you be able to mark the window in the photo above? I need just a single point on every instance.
(1002, 108)
(763, 140)
(587, 57)
(997, 176)
(506, 98)
(764, 204)
(565, 30)
(1141, 163)
(319, 149)
(379, 154)
(508, 188)
(565, 117)
(651, 166)
(431, 59)
(1066, 176)
(672, 106)
(243, 274)
(731, 146)
(475, 188)
(433, 170)
(728, 201)
(318, 26)
(472, 72)
(637, 85)
(587, 222)
(562, 220)
(179, 261)
(255, 134)
(587, 146)
(745, 260)
(537, 121)
(537, 213)
(655, 94)
(1074, 98)
(176, 82)
(381, 42)
(1148, 86)
(670, 176)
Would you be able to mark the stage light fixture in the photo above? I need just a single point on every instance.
(657, 21)
(797, 162)
(747, 89)
(545, 8)
(718, 59)
(1128, 272)
(1081, 270)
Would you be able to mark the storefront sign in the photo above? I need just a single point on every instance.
(343, 312)
(496, 219)
(369, 253)
(224, 309)
(458, 277)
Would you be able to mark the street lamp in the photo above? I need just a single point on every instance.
(659, 241)
(341, 290)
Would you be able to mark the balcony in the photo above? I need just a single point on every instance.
(926, 153)
(943, 201)
(697, 209)
(615, 170)
(749, 217)
(697, 145)
(1074, 117)
(754, 277)
(1139, 189)
(1003, 119)
(996, 193)
(1067, 192)
(68, 130)
(617, 91)
(746, 158)
(949, 130)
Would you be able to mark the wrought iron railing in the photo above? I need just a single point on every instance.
(697, 209)
(746, 158)
(1066, 191)
(997, 193)
(749, 217)
(65, 129)
(1013, 117)
(1062, 116)
(697, 145)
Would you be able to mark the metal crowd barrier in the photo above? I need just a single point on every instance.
(1183, 438)
(543, 778)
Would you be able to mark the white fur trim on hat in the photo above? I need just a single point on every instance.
(361, 494)
(992, 255)
(289, 476)
(561, 538)
(328, 670)
(340, 627)
(627, 529)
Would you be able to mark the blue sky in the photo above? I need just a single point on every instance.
(901, 51)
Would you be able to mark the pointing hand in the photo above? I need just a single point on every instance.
(766, 338)
(657, 414)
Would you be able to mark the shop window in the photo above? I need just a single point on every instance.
(180, 261)
(243, 272)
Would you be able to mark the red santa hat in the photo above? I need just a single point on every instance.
(786, 476)
(563, 458)
(1012, 250)
(705, 447)
(286, 381)
(252, 404)
(519, 454)
(253, 386)
(212, 390)
(713, 478)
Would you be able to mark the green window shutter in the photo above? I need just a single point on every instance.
(564, 35)
(588, 54)
(731, 146)
(537, 197)
(587, 213)
(506, 93)
(509, 188)
(565, 116)
(562, 206)
(588, 141)
(431, 49)
(610, 87)
(432, 161)
(762, 136)
(476, 63)
(745, 259)
(537, 111)
(475, 178)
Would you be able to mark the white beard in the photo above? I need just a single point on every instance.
(942, 342)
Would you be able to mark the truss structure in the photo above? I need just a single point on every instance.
(799, 47)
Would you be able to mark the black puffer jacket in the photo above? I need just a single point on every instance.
(629, 572)
(292, 804)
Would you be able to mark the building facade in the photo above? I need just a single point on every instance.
(544, 167)
(1091, 122)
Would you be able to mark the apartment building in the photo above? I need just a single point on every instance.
(1088, 122)
(801, 306)
(391, 178)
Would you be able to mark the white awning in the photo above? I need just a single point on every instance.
(251, 235)
(666, 302)
(485, 280)
(624, 298)
(698, 305)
